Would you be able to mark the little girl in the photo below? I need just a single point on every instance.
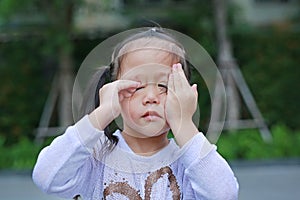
(149, 88)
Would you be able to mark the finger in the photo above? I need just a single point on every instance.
(121, 97)
(126, 93)
(131, 90)
(127, 84)
(182, 74)
(176, 76)
(171, 83)
(180, 79)
(194, 88)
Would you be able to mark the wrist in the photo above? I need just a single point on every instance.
(100, 118)
(177, 124)
(184, 132)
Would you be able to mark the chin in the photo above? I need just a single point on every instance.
(154, 131)
(152, 134)
(143, 129)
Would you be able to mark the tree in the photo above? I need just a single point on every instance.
(55, 27)
(234, 82)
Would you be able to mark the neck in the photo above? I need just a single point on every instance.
(146, 146)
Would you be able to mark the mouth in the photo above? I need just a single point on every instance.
(151, 115)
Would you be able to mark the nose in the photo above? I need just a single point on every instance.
(151, 95)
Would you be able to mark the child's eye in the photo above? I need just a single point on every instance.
(163, 88)
(139, 88)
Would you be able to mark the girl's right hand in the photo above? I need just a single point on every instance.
(110, 95)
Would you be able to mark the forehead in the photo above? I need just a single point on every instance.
(147, 72)
(151, 43)
(149, 55)
(145, 62)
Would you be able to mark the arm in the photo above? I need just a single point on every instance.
(65, 167)
(207, 172)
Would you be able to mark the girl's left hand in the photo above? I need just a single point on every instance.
(181, 102)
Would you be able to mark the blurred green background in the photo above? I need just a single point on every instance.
(36, 35)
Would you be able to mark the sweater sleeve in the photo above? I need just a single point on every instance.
(207, 172)
(65, 167)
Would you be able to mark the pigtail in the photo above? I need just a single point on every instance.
(103, 79)
(91, 100)
(106, 78)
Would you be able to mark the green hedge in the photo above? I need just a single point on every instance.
(248, 144)
(19, 156)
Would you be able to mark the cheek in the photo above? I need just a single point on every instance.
(125, 107)
(129, 108)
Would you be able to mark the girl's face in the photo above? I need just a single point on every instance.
(144, 112)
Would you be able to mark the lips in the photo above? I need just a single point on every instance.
(150, 115)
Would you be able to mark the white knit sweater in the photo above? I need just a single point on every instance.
(74, 164)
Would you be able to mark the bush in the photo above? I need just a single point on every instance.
(245, 144)
(248, 144)
(20, 156)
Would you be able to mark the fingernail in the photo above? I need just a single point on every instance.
(174, 66)
(179, 66)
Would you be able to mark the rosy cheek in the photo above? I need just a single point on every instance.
(132, 107)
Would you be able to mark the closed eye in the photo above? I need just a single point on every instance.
(163, 88)
(162, 85)
(139, 88)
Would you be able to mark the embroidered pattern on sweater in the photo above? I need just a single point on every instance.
(125, 189)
